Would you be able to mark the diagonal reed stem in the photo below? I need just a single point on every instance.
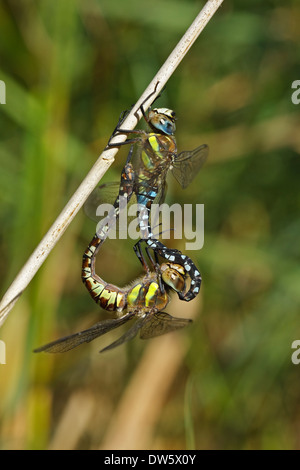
(104, 161)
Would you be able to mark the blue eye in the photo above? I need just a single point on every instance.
(166, 126)
(163, 120)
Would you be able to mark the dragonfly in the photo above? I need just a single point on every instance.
(143, 301)
(156, 154)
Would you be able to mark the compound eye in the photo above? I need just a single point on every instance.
(163, 120)
(167, 126)
(172, 278)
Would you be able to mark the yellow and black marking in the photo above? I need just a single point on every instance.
(108, 296)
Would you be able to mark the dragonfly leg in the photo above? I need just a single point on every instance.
(127, 176)
(146, 99)
(126, 185)
(122, 118)
(118, 129)
(126, 142)
(129, 156)
(138, 251)
(159, 279)
(155, 264)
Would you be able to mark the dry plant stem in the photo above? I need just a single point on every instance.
(104, 161)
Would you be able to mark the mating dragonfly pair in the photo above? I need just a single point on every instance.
(145, 300)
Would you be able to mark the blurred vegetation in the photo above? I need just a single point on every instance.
(70, 68)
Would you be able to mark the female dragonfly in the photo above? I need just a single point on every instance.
(143, 300)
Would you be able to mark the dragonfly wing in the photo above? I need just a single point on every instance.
(161, 195)
(104, 194)
(161, 323)
(130, 334)
(72, 341)
(188, 163)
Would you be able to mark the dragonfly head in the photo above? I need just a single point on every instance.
(174, 276)
(162, 120)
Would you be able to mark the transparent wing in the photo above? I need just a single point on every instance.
(107, 194)
(72, 341)
(99, 208)
(188, 163)
(155, 182)
(104, 194)
(161, 323)
(130, 334)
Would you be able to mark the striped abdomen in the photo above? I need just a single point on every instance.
(108, 296)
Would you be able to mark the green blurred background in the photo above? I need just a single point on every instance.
(227, 381)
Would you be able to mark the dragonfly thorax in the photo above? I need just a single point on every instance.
(162, 120)
(147, 296)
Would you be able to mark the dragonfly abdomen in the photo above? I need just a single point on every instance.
(108, 296)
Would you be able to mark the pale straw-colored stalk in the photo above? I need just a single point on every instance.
(104, 161)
